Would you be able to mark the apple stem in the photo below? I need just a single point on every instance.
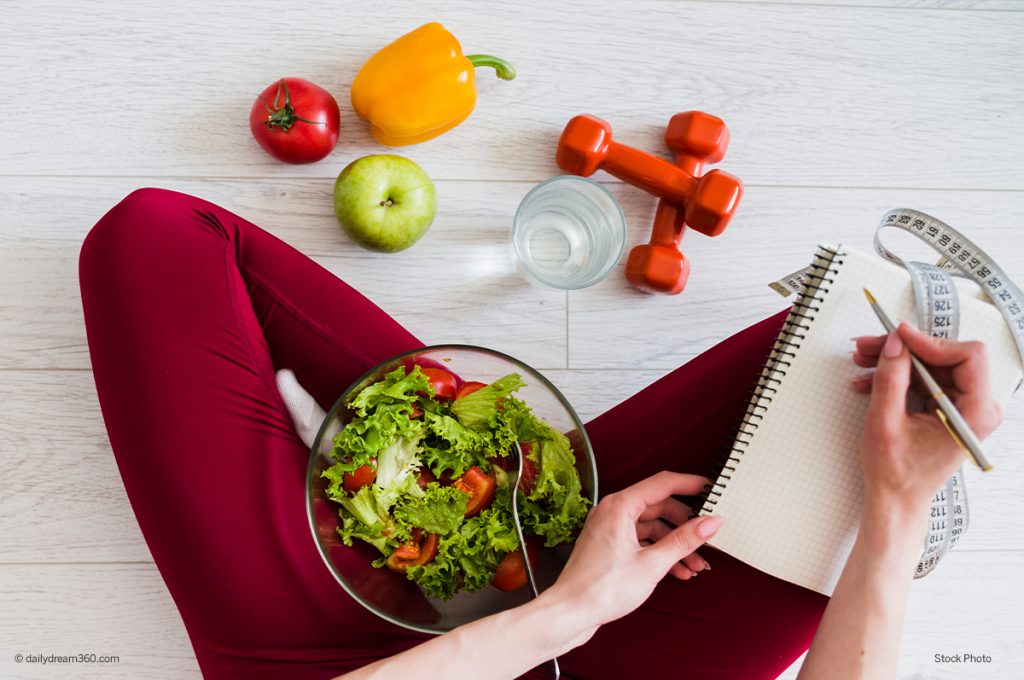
(387, 204)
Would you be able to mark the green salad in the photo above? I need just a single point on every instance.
(421, 473)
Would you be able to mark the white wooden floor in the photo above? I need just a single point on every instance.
(838, 111)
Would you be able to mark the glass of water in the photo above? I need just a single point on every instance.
(568, 233)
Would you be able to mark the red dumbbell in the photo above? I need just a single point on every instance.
(658, 267)
(586, 145)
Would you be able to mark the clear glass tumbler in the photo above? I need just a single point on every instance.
(568, 233)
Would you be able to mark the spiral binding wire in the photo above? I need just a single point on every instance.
(801, 313)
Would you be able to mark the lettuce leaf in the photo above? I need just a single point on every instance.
(557, 509)
(477, 430)
(439, 511)
(397, 464)
(518, 419)
(336, 475)
(352, 527)
(479, 410)
(557, 466)
(382, 413)
(363, 437)
(396, 388)
(363, 506)
(451, 446)
(473, 552)
(362, 517)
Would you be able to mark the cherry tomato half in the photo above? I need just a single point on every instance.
(360, 477)
(469, 388)
(511, 573)
(479, 486)
(445, 386)
(295, 121)
(420, 549)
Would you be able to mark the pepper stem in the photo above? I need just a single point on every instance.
(502, 67)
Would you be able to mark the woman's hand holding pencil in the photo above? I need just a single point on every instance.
(906, 457)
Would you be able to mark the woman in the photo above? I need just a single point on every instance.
(189, 312)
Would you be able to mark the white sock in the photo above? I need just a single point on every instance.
(307, 416)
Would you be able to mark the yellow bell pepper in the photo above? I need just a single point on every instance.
(419, 86)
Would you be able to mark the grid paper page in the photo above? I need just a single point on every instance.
(793, 502)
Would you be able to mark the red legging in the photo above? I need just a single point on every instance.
(189, 310)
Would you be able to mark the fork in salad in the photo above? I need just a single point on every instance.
(519, 533)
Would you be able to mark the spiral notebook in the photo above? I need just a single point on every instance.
(791, 490)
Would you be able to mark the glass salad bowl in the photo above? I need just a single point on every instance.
(390, 594)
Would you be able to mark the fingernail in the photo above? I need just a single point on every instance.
(709, 526)
(707, 567)
(893, 345)
(860, 379)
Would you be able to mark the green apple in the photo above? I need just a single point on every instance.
(384, 202)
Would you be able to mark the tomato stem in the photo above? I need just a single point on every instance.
(285, 117)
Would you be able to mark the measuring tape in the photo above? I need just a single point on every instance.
(938, 315)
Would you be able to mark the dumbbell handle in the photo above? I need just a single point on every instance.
(669, 223)
(670, 218)
(655, 175)
(691, 163)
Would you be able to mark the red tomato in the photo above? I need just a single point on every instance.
(529, 468)
(469, 388)
(425, 477)
(417, 412)
(420, 549)
(295, 121)
(478, 486)
(511, 573)
(360, 477)
(443, 382)
(501, 462)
